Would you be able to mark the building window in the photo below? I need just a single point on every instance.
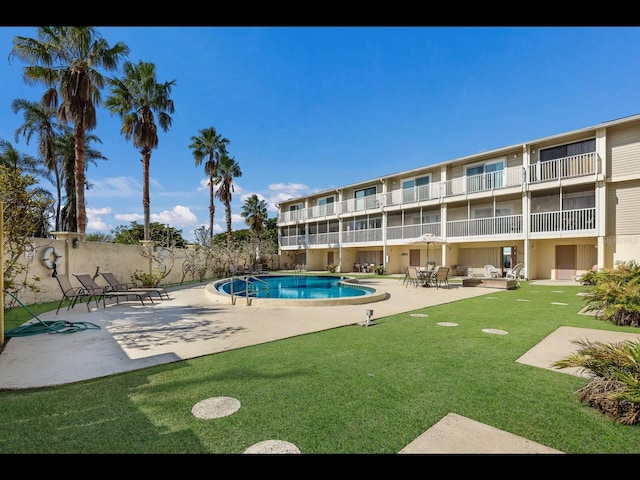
(415, 189)
(365, 198)
(296, 211)
(485, 176)
(326, 206)
(564, 160)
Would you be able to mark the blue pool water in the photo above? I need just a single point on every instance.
(293, 287)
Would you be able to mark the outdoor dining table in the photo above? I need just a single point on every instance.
(424, 275)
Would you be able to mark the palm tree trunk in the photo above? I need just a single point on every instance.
(146, 158)
(79, 169)
(212, 207)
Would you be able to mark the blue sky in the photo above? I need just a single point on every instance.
(307, 109)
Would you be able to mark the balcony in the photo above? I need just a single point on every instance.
(567, 167)
(512, 177)
(578, 221)
(485, 182)
(582, 219)
(485, 227)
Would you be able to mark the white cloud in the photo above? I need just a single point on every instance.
(97, 211)
(179, 217)
(288, 187)
(94, 219)
(128, 217)
(114, 187)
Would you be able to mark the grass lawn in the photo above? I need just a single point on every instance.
(345, 390)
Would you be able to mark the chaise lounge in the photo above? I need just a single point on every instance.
(105, 292)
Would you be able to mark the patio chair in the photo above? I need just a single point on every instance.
(440, 277)
(405, 279)
(514, 273)
(105, 292)
(491, 271)
(414, 278)
(130, 287)
(74, 294)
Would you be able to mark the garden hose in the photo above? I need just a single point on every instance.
(50, 326)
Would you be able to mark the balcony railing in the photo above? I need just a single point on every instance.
(409, 232)
(362, 236)
(578, 220)
(573, 166)
(481, 227)
(564, 221)
(506, 178)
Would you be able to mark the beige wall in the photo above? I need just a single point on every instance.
(90, 257)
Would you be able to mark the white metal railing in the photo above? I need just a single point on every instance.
(331, 238)
(484, 182)
(581, 219)
(564, 220)
(573, 166)
(362, 236)
(407, 232)
(478, 227)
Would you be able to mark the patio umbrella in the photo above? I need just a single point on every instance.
(428, 239)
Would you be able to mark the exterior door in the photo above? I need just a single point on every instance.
(565, 262)
(414, 258)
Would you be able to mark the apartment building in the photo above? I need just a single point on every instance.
(559, 204)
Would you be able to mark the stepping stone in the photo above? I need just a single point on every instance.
(447, 324)
(494, 331)
(215, 407)
(272, 446)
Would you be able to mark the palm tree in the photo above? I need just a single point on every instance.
(40, 120)
(228, 169)
(23, 163)
(254, 212)
(25, 168)
(209, 144)
(65, 161)
(66, 61)
(135, 98)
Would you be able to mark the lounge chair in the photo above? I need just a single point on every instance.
(105, 292)
(74, 294)
(129, 287)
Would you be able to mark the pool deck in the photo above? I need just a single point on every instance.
(193, 323)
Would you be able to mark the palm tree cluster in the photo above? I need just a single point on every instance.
(67, 62)
(71, 64)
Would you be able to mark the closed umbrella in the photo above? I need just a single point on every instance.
(428, 239)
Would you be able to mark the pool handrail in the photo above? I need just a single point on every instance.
(247, 294)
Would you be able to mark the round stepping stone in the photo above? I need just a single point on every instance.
(272, 446)
(419, 315)
(494, 331)
(559, 303)
(215, 407)
(447, 324)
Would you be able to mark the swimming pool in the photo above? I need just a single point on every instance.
(300, 289)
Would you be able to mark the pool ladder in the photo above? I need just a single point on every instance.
(248, 292)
